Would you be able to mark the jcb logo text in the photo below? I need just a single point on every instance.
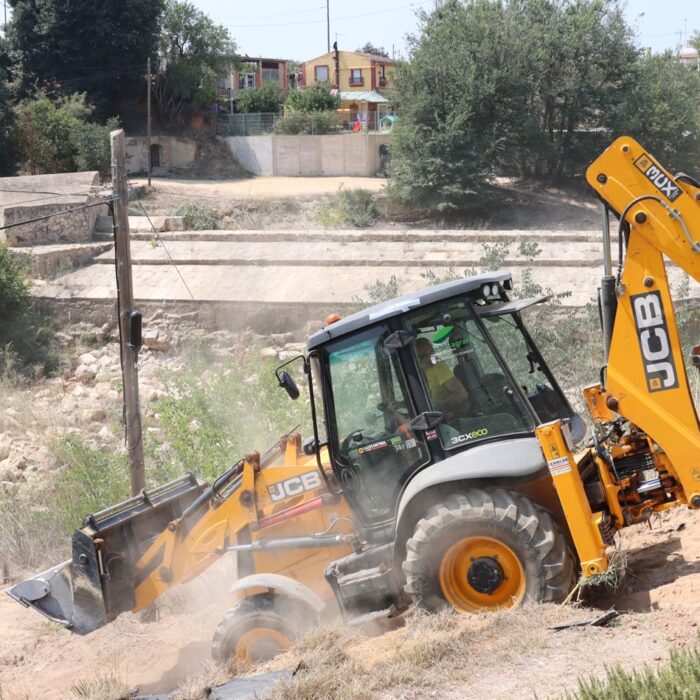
(294, 486)
(654, 341)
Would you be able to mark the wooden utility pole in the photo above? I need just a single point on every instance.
(148, 109)
(129, 320)
(328, 25)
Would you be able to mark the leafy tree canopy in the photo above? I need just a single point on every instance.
(370, 48)
(314, 98)
(194, 54)
(267, 98)
(530, 87)
(6, 117)
(99, 48)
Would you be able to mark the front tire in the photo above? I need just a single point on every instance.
(487, 549)
(258, 628)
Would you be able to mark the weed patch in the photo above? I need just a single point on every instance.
(197, 217)
(351, 208)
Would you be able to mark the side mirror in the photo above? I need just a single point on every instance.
(288, 384)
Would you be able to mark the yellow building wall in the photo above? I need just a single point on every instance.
(348, 62)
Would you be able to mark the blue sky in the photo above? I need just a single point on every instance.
(297, 30)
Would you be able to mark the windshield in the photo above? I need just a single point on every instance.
(527, 368)
(463, 376)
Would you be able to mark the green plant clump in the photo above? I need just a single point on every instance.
(309, 123)
(24, 334)
(679, 679)
(198, 217)
(353, 208)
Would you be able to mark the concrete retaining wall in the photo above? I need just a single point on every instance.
(174, 153)
(309, 156)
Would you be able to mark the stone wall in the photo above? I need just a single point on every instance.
(174, 153)
(51, 196)
(309, 156)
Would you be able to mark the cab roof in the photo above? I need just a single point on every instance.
(399, 305)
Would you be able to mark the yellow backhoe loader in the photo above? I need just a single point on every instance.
(446, 465)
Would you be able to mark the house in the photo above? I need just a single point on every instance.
(360, 78)
(253, 72)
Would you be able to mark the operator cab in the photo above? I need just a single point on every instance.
(417, 379)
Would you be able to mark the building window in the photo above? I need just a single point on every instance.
(270, 74)
(356, 77)
(246, 81)
(321, 74)
(382, 75)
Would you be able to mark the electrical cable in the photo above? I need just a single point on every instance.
(57, 213)
(127, 425)
(160, 240)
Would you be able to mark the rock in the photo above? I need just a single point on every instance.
(154, 395)
(12, 413)
(5, 446)
(98, 415)
(103, 376)
(288, 354)
(280, 339)
(84, 374)
(63, 338)
(268, 353)
(87, 358)
(102, 388)
(195, 425)
(105, 433)
(8, 487)
(155, 340)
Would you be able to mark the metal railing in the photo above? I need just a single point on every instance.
(259, 123)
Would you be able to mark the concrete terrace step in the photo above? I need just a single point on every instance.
(334, 253)
(289, 284)
(367, 235)
(59, 258)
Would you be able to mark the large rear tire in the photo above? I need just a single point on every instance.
(258, 628)
(487, 549)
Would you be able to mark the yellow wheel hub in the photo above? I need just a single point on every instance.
(260, 644)
(481, 573)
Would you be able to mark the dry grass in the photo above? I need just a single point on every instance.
(431, 652)
(198, 686)
(107, 686)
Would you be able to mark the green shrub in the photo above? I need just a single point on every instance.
(198, 217)
(24, 334)
(92, 147)
(678, 679)
(314, 98)
(353, 208)
(267, 98)
(317, 123)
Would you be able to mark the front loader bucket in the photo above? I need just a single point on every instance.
(98, 583)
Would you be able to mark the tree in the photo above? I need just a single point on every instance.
(314, 98)
(99, 48)
(194, 54)
(6, 117)
(267, 98)
(56, 136)
(662, 111)
(370, 48)
(521, 86)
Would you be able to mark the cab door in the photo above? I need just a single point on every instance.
(369, 411)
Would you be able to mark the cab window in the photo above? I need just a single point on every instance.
(463, 377)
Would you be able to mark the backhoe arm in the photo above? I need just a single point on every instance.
(646, 381)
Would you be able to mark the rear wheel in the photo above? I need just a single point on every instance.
(259, 628)
(487, 549)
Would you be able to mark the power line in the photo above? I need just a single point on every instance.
(278, 14)
(167, 252)
(57, 213)
(336, 19)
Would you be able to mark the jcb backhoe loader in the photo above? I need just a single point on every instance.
(442, 468)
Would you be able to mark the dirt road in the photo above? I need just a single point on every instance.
(516, 654)
(263, 187)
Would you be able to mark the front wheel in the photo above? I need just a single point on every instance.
(487, 549)
(259, 628)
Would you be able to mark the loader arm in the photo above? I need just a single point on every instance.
(127, 556)
(646, 381)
